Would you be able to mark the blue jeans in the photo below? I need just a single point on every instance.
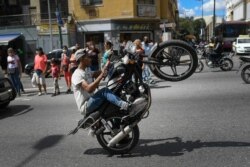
(102, 95)
(16, 80)
(146, 73)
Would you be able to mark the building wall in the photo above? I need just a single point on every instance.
(118, 9)
(248, 10)
(238, 10)
(108, 10)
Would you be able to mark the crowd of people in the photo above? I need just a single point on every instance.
(69, 64)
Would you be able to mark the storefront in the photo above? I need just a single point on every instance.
(119, 31)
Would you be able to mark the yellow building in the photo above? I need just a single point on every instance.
(119, 20)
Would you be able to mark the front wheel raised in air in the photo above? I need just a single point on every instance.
(173, 60)
(125, 145)
(245, 74)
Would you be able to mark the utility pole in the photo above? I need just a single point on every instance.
(59, 23)
(50, 26)
(202, 26)
(214, 20)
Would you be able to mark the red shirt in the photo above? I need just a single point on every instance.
(40, 62)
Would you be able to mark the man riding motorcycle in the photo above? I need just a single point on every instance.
(84, 87)
(217, 50)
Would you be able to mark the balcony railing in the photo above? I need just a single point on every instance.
(27, 19)
(146, 10)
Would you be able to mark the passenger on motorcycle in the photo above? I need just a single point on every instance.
(84, 88)
(217, 50)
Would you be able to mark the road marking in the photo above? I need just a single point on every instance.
(22, 99)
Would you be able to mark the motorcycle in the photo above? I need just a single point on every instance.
(245, 69)
(116, 131)
(223, 61)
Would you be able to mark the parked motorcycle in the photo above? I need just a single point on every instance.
(223, 61)
(245, 69)
(116, 131)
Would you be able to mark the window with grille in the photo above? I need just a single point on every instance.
(151, 2)
(91, 2)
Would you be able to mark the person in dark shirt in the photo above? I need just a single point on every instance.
(217, 50)
(93, 52)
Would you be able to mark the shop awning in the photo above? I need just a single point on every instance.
(6, 38)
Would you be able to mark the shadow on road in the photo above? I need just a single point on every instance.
(168, 147)
(43, 144)
(14, 110)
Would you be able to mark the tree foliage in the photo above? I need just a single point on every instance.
(191, 26)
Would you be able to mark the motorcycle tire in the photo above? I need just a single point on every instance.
(227, 64)
(174, 53)
(245, 74)
(200, 66)
(126, 144)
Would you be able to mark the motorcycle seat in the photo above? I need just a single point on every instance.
(245, 59)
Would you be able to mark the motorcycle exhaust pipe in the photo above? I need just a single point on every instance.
(119, 136)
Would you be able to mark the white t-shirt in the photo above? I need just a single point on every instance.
(14, 58)
(81, 95)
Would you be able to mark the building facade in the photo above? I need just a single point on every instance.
(238, 10)
(118, 21)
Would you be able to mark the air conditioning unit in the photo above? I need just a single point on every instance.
(86, 2)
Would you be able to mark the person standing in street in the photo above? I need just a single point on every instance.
(146, 73)
(65, 68)
(73, 64)
(108, 51)
(55, 73)
(93, 52)
(14, 69)
(19, 53)
(140, 53)
(40, 66)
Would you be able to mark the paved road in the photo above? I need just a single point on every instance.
(202, 121)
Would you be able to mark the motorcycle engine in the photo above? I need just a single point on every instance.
(130, 88)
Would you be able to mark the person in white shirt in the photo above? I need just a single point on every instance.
(14, 69)
(84, 86)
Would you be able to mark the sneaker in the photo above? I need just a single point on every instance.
(54, 94)
(125, 106)
(39, 94)
(137, 106)
(91, 132)
(68, 91)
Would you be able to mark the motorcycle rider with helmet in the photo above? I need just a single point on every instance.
(217, 50)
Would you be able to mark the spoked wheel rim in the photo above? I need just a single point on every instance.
(177, 61)
(125, 144)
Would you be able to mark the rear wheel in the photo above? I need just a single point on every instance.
(227, 64)
(173, 61)
(126, 144)
(245, 74)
